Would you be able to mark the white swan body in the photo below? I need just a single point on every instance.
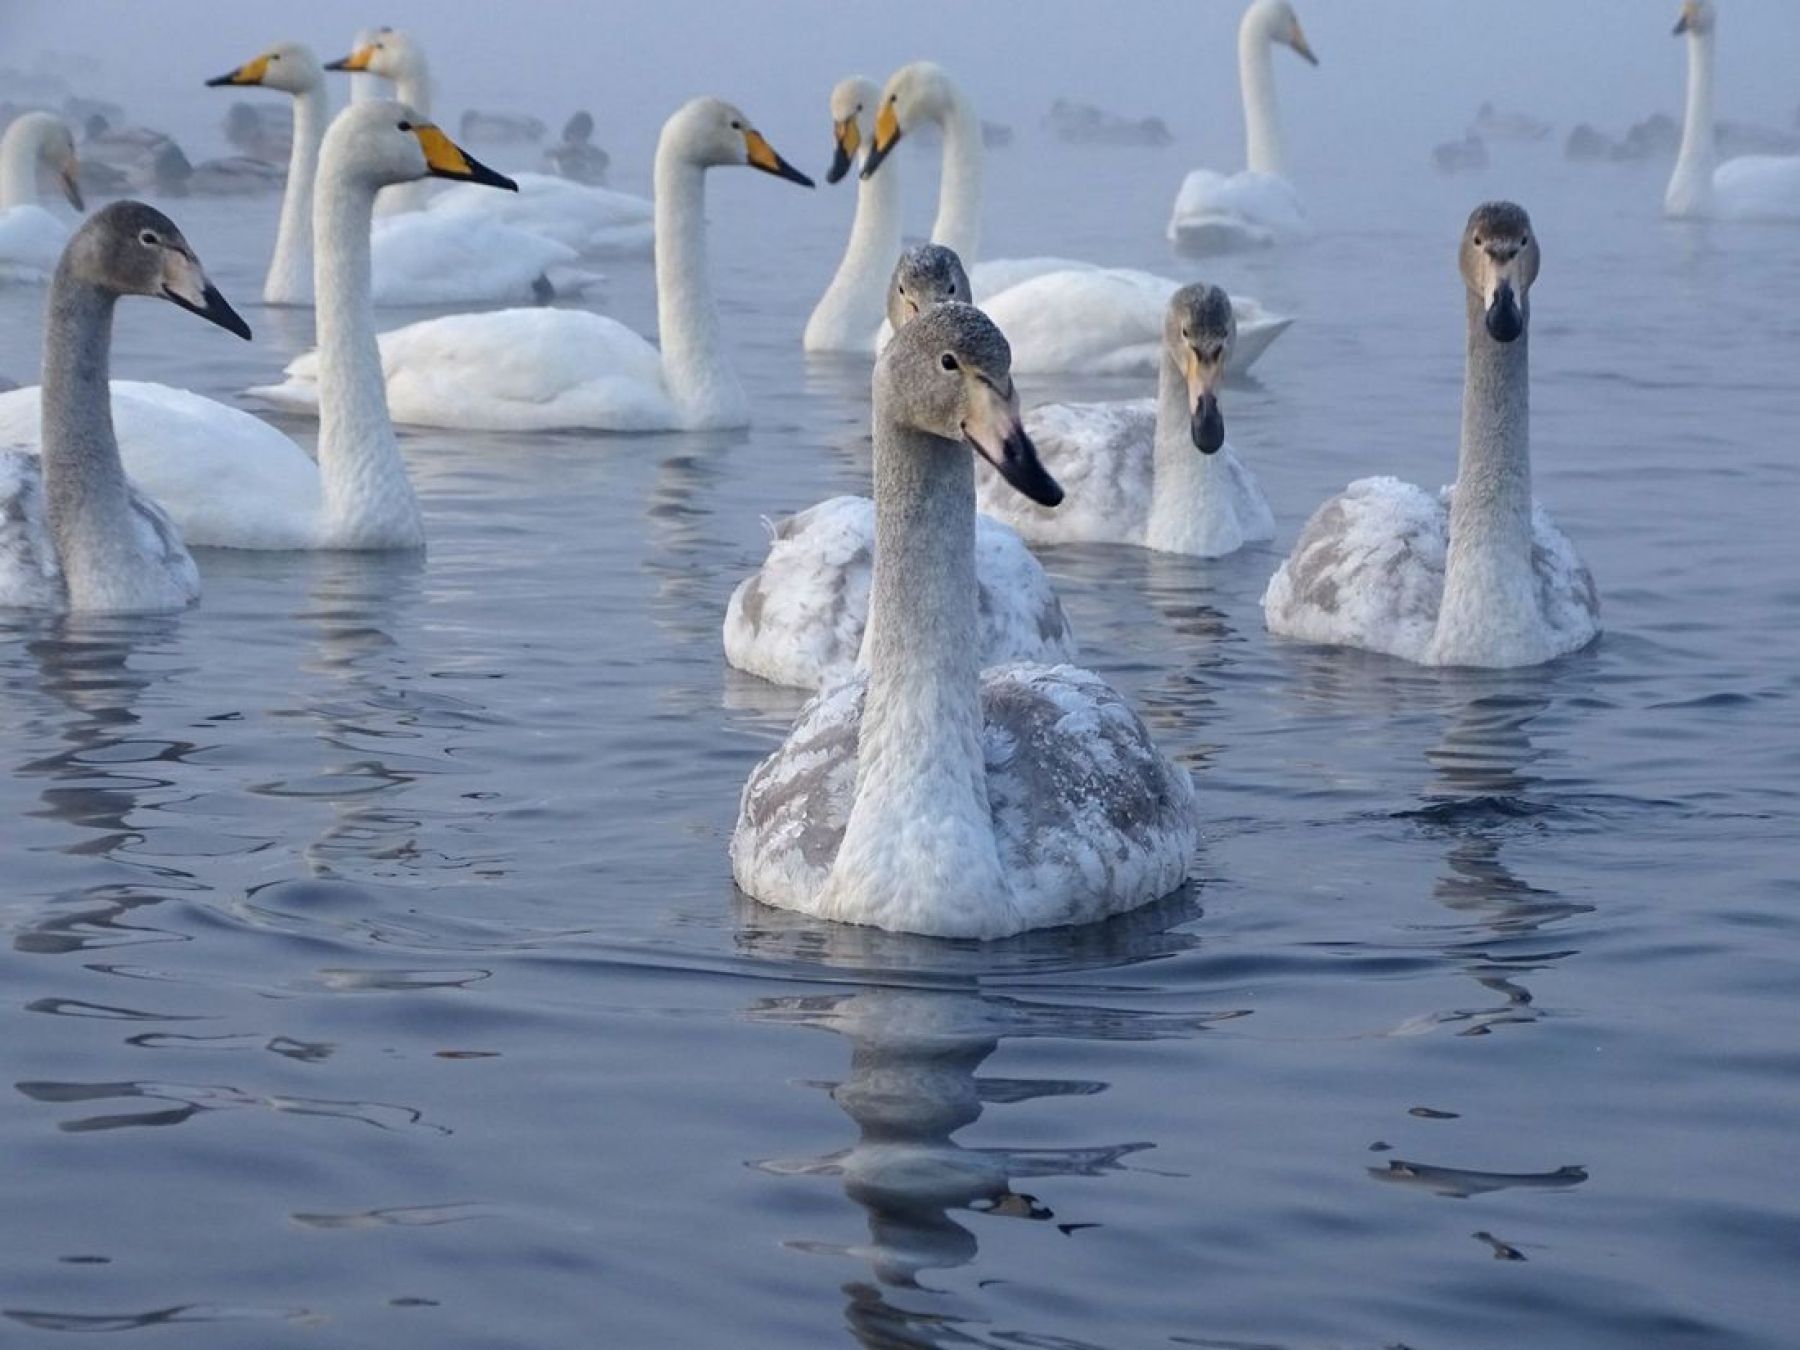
(532, 370)
(929, 796)
(1061, 316)
(1764, 188)
(1155, 473)
(232, 481)
(417, 258)
(1219, 213)
(75, 533)
(595, 222)
(850, 312)
(31, 238)
(1479, 576)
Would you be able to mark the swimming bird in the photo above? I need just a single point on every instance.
(417, 258)
(31, 238)
(543, 369)
(1752, 187)
(75, 534)
(1218, 213)
(850, 312)
(1154, 473)
(1479, 575)
(799, 619)
(594, 221)
(1059, 315)
(231, 480)
(929, 796)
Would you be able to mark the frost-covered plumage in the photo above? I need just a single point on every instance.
(799, 618)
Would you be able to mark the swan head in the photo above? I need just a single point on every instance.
(55, 150)
(1499, 264)
(921, 92)
(853, 105)
(926, 275)
(1198, 335)
(389, 53)
(129, 248)
(1277, 22)
(385, 143)
(713, 134)
(1697, 17)
(288, 66)
(948, 373)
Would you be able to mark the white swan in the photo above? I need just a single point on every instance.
(1154, 473)
(1479, 576)
(232, 481)
(931, 796)
(418, 258)
(1215, 212)
(594, 221)
(1753, 187)
(799, 619)
(31, 239)
(539, 370)
(1060, 316)
(74, 533)
(849, 313)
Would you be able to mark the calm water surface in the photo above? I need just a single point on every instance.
(373, 973)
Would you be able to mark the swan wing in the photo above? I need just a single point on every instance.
(30, 576)
(590, 220)
(1101, 454)
(1216, 212)
(31, 243)
(1567, 597)
(1758, 188)
(1367, 571)
(433, 258)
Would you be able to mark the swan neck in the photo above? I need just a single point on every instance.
(368, 501)
(290, 269)
(1263, 148)
(1188, 511)
(20, 149)
(958, 223)
(414, 88)
(854, 304)
(1691, 183)
(88, 499)
(699, 380)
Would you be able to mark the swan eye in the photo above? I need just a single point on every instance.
(948, 362)
(1524, 241)
(404, 126)
(148, 237)
(737, 126)
(900, 286)
(274, 56)
(1477, 241)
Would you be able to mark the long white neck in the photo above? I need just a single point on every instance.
(1190, 508)
(86, 494)
(958, 223)
(290, 279)
(414, 90)
(918, 850)
(1690, 187)
(1489, 612)
(20, 150)
(368, 501)
(851, 310)
(699, 378)
(1263, 149)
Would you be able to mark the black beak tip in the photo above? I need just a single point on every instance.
(794, 175)
(342, 63)
(840, 165)
(219, 81)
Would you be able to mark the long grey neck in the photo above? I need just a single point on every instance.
(696, 372)
(958, 223)
(1263, 148)
(1488, 586)
(290, 269)
(368, 500)
(1186, 509)
(88, 499)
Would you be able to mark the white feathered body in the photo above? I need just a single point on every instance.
(594, 221)
(31, 242)
(1221, 213)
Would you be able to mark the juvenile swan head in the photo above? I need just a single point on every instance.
(1499, 264)
(288, 66)
(129, 248)
(926, 275)
(386, 143)
(1198, 335)
(948, 373)
(852, 111)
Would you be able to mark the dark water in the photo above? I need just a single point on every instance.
(373, 972)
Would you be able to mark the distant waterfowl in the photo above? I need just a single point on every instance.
(799, 619)
(75, 534)
(1479, 575)
(1156, 473)
(593, 221)
(1075, 123)
(575, 156)
(233, 481)
(1750, 188)
(1059, 315)
(539, 370)
(929, 796)
(500, 128)
(1219, 213)
(850, 312)
(31, 238)
(1464, 156)
(144, 160)
(1495, 125)
(417, 258)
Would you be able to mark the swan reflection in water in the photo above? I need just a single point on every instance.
(918, 1041)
